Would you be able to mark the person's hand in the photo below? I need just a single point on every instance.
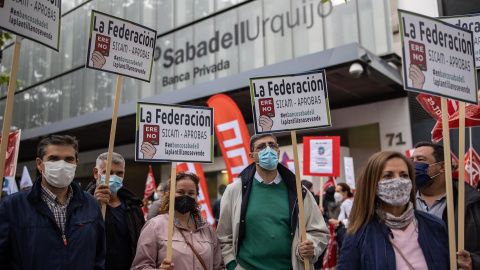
(166, 264)
(306, 249)
(148, 150)
(322, 210)
(333, 221)
(265, 122)
(464, 260)
(98, 59)
(418, 79)
(102, 194)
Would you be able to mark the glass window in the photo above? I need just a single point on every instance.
(228, 51)
(278, 44)
(251, 52)
(341, 26)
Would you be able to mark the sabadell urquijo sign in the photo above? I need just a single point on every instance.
(179, 61)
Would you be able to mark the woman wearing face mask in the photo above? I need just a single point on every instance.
(385, 230)
(195, 244)
(343, 195)
(331, 207)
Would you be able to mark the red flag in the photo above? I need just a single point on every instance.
(330, 257)
(232, 134)
(12, 153)
(203, 198)
(330, 183)
(475, 160)
(409, 152)
(432, 105)
(149, 185)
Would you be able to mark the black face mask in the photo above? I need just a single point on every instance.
(184, 204)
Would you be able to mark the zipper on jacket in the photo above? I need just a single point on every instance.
(64, 239)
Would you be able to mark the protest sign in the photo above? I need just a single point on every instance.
(438, 58)
(121, 47)
(290, 102)
(472, 23)
(167, 133)
(40, 22)
(35, 20)
(321, 156)
(349, 171)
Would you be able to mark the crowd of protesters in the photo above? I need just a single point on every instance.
(396, 219)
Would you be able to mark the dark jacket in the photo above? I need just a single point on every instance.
(370, 248)
(472, 220)
(247, 176)
(31, 239)
(134, 218)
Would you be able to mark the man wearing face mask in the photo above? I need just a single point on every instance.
(259, 226)
(431, 198)
(124, 217)
(55, 224)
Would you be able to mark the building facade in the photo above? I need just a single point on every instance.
(205, 47)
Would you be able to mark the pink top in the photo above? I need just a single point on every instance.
(152, 246)
(407, 242)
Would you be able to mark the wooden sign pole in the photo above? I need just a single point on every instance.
(448, 183)
(461, 177)
(320, 201)
(299, 194)
(171, 209)
(112, 137)
(9, 107)
(471, 153)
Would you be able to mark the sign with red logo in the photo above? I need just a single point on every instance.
(266, 107)
(321, 156)
(102, 44)
(151, 134)
(417, 54)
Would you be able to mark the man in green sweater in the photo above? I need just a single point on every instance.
(258, 226)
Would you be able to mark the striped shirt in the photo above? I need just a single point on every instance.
(58, 209)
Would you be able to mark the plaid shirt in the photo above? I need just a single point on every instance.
(58, 209)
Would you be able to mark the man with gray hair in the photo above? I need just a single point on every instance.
(259, 219)
(124, 217)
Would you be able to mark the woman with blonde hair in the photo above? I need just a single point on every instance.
(194, 243)
(385, 230)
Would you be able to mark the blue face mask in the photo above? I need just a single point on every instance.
(421, 174)
(268, 158)
(155, 196)
(114, 183)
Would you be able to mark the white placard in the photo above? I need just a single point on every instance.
(290, 102)
(291, 165)
(168, 133)
(35, 20)
(472, 23)
(349, 171)
(438, 58)
(121, 47)
(321, 156)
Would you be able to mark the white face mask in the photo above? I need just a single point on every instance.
(338, 197)
(59, 173)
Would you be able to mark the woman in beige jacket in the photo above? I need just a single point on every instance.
(190, 226)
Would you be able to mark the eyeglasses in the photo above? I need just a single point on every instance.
(262, 146)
